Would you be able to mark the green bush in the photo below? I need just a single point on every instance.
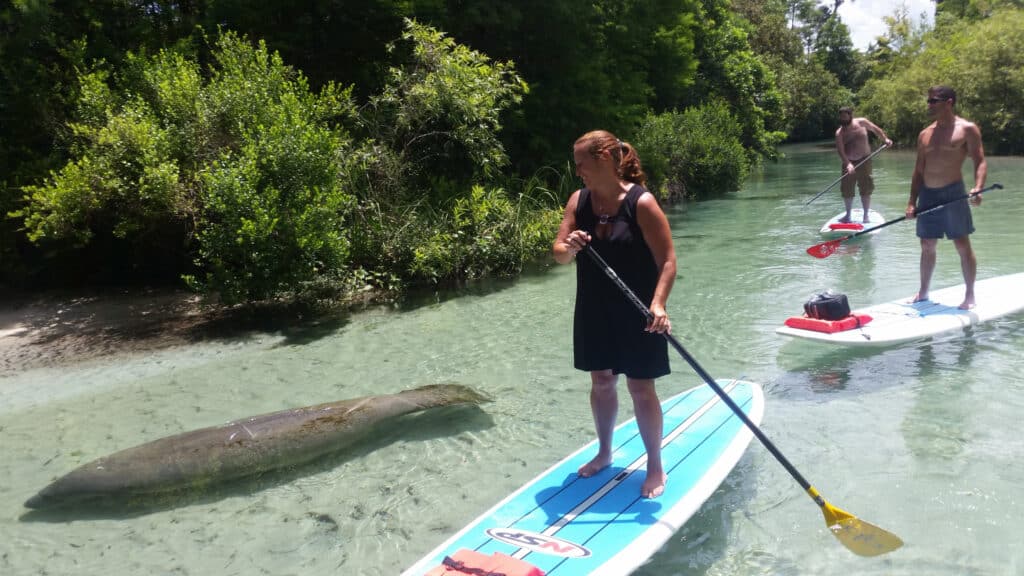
(440, 114)
(484, 234)
(273, 196)
(244, 158)
(693, 154)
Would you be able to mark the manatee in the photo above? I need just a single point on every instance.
(243, 447)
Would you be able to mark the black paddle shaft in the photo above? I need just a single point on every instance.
(925, 211)
(818, 195)
(697, 367)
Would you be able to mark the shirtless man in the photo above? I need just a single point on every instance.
(853, 147)
(942, 148)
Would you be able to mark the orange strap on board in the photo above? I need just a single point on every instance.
(828, 326)
(470, 562)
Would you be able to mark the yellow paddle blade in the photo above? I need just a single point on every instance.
(860, 537)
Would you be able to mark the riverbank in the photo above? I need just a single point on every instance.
(55, 328)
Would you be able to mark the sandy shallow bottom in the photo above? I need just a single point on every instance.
(55, 329)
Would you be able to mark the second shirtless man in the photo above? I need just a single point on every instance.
(853, 149)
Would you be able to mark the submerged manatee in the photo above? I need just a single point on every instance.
(242, 447)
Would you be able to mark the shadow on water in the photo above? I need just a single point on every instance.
(297, 325)
(115, 320)
(436, 423)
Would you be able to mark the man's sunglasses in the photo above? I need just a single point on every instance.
(935, 100)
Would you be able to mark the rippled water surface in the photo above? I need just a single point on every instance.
(922, 439)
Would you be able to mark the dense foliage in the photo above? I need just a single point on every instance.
(244, 158)
(263, 179)
(693, 154)
(983, 62)
(266, 148)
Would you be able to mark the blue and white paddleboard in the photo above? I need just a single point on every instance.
(904, 321)
(834, 228)
(563, 524)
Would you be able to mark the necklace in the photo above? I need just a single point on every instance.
(604, 216)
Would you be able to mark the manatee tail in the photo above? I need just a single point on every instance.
(436, 395)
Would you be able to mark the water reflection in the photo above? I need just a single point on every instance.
(936, 424)
(869, 369)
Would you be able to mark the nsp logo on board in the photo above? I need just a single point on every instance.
(539, 543)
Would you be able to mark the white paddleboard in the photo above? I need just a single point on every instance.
(564, 525)
(902, 321)
(833, 228)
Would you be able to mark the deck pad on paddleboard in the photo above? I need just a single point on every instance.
(566, 525)
(834, 228)
(902, 321)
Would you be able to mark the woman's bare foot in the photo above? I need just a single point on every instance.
(653, 486)
(594, 466)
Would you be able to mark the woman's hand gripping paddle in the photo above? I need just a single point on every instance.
(826, 249)
(859, 536)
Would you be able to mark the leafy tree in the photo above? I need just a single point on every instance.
(43, 44)
(806, 17)
(729, 70)
(441, 113)
(431, 135)
(810, 93)
(983, 62)
(598, 64)
(972, 9)
(769, 32)
(341, 41)
(813, 99)
(833, 48)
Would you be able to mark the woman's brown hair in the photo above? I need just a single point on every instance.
(626, 160)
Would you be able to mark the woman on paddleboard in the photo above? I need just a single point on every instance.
(623, 222)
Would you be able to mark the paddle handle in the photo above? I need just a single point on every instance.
(837, 180)
(925, 211)
(698, 369)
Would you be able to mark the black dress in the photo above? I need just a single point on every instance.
(608, 329)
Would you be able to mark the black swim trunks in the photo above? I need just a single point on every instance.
(953, 220)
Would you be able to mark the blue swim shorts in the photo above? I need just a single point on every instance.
(952, 220)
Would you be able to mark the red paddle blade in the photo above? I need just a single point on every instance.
(825, 249)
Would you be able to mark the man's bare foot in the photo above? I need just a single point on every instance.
(967, 304)
(594, 466)
(845, 219)
(653, 486)
(919, 298)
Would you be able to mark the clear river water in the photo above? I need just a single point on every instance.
(921, 439)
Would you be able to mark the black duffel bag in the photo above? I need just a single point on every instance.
(827, 306)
